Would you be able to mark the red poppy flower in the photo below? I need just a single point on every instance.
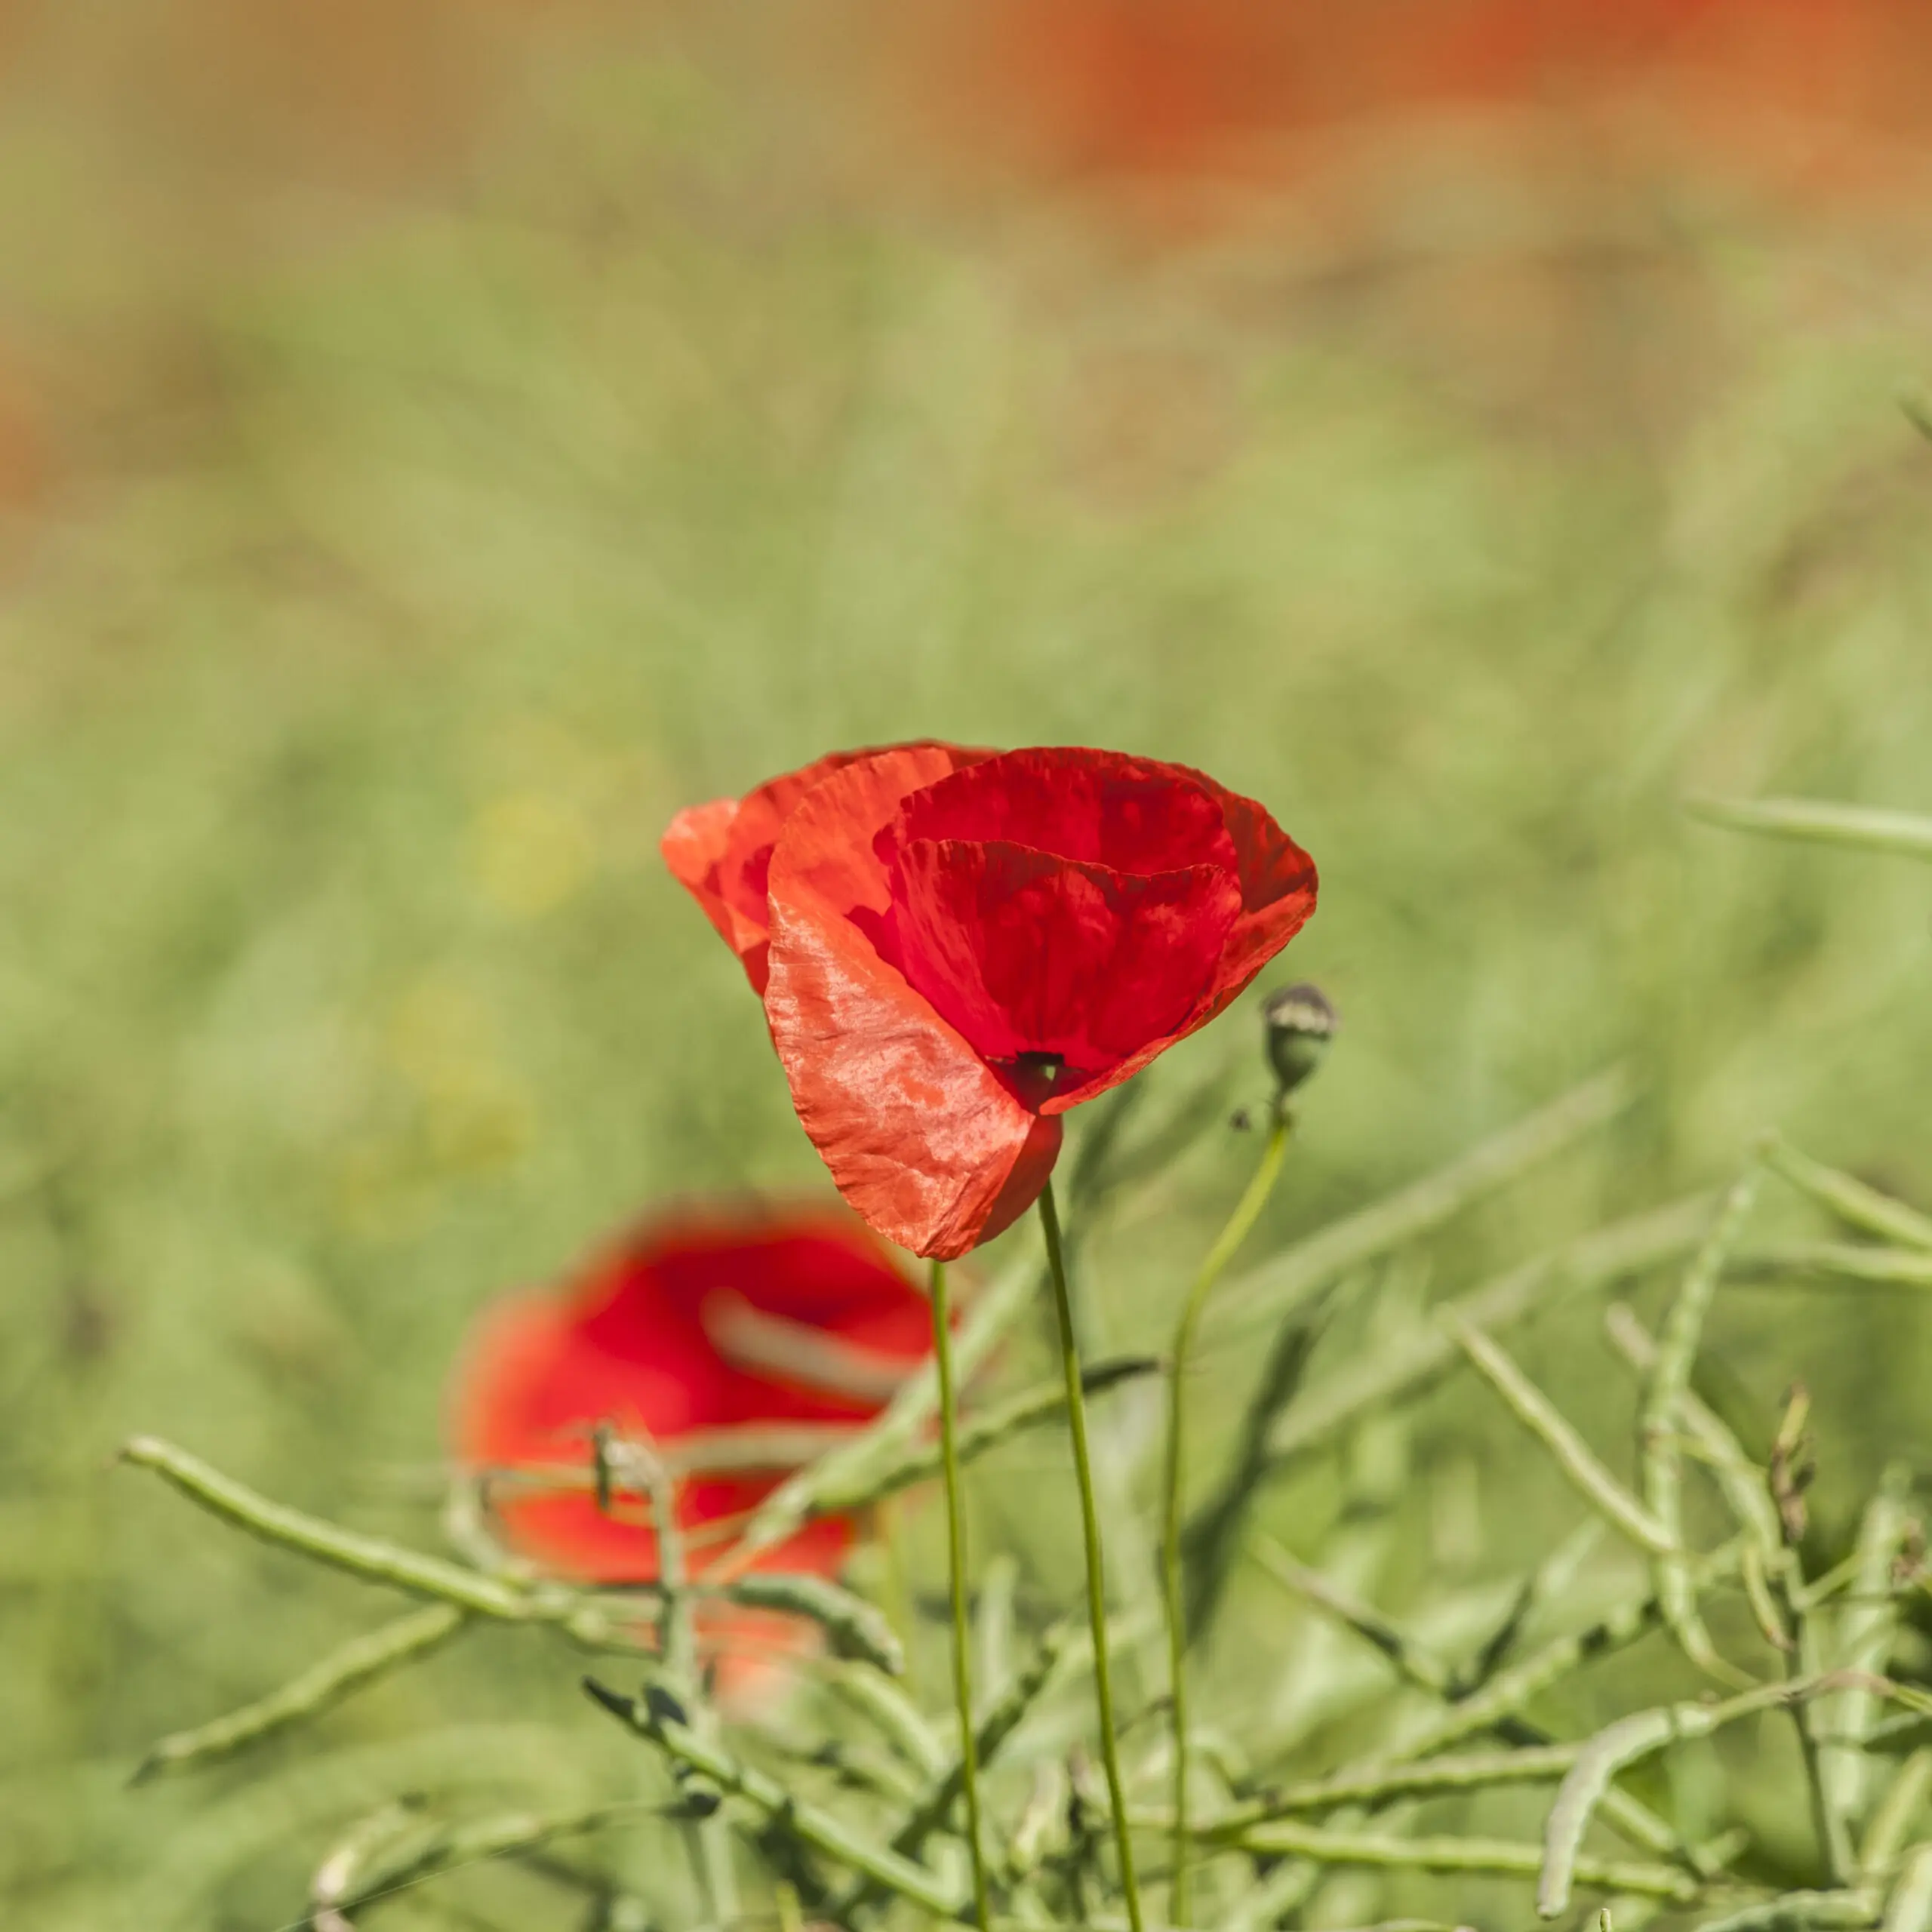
(710, 1335)
(962, 945)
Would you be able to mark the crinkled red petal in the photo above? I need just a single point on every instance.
(720, 853)
(920, 1134)
(1278, 885)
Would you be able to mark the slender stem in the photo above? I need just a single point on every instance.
(1096, 1603)
(955, 1534)
(706, 1834)
(1241, 1224)
(360, 1661)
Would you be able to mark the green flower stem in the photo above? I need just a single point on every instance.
(1828, 1822)
(1097, 1605)
(1615, 1628)
(1641, 1826)
(1803, 1261)
(962, 1633)
(901, 1426)
(1227, 1245)
(1423, 1669)
(361, 1661)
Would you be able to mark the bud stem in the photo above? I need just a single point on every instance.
(1227, 1244)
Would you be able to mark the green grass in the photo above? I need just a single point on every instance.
(341, 987)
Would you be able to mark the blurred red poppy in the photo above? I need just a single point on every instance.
(963, 944)
(732, 1342)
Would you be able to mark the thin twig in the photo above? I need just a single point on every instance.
(323, 1684)
(369, 1558)
(968, 1779)
(793, 1818)
(1427, 1672)
(1283, 1838)
(1663, 1419)
(1573, 1456)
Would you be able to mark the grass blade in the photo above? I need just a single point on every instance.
(1796, 1261)
(1818, 821)
(1856, 1204)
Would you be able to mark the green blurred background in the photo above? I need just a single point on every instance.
(434, 448)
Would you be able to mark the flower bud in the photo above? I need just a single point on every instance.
(1300, 1022)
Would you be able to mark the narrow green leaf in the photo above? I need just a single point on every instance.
(1821, 821)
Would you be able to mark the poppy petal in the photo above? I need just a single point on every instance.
(1027, 953)
(921, 1135)
(693, 845)
(1103, 808)
(720, 852)
(629, 1344)
(1279, 886)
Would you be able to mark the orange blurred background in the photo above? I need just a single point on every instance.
(214, 135)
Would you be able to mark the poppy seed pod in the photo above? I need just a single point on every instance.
(1300, 1023)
